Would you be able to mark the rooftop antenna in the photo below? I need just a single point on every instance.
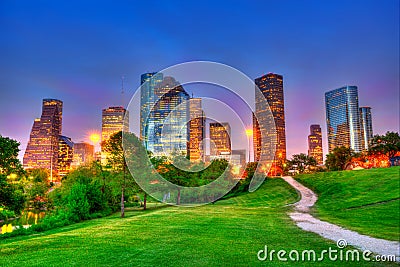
(122, 90)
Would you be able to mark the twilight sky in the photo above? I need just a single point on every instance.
(77, 52)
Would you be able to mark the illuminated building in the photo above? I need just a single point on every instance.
(65, 154)
(366, 126)
(167, 131)
(271, 87)
(315, 143)
(83, 154)
(343, 118)
(42, 149)
(113, 121)
(196, 130)
(148, 81)
(220, 141)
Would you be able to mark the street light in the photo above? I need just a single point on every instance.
(249, 134)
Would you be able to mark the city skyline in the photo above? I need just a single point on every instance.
(80, 61)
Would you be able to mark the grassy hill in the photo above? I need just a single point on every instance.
(227, 233)
(367, 201)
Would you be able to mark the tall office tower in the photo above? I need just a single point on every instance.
(65, 154)
(315, 143)
(114, 119)
(271, 86)
(343, 118)
(42, 148)
(83, 154)
(167, 130)
(148, 83)
(196, 130)
(366, 126)
(220, 140)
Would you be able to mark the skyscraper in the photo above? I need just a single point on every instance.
(148, 81)
(167, 131)
(343, 118)
(220, 140)
(271, 86)
(366, 126)
(315, 143)
(42, 148)
(196, 130)
(65, 154)
(114, 119)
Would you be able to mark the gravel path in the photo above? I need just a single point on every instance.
(305, 221)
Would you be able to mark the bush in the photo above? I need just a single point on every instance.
(78, 205)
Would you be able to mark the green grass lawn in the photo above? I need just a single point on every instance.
(367, 201)
(227, 233)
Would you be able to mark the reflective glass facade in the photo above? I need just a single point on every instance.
(65, 154)
(148, 81)
(167, 130)
(366, 126)
(343, 118)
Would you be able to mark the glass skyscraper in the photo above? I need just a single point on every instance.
(343, 118)
(366, 126)
(165, 131)
(148, 97)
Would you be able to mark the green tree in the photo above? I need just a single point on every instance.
(11, 195)
(116, 160)
(302, 161)
(78, 203)
(338, 159)
(9, 162)
(388, 144)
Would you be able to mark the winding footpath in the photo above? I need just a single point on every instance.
(305, 221)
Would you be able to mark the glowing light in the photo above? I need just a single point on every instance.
(249, 132)
(94, 137)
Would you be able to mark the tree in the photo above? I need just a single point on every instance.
(9, 163)
(388, 144)
(116, 159)
(11, 196)
(338, 159)
(302, 161)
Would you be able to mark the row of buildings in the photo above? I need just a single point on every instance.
(173, 123)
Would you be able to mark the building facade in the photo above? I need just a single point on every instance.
(83, 154)
(220, 140)
(167, 131)
(42, 149)
(114, 119)
(366, 126)
(315, 144)
(65, 154)
(148, 83)
(270, 86)
(343, 118)
(196, 130)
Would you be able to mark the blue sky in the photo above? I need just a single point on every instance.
(77, 52)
